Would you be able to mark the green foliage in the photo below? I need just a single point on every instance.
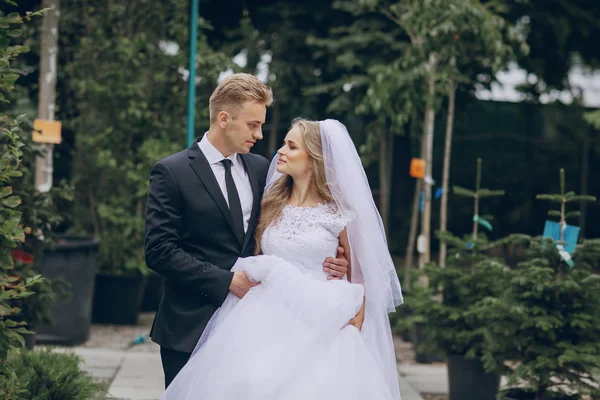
(128, 111)
(459, 32)
(477, 194)
(550, 311)
(12, 232)
(48, 375)
(8, 50)
(384, 53)
(570, 28)
(454, 306)
(376, 77)
(593, 118)
(461, 191)
(540, 316)
(39, 214)
(24, 225)
(13, 288)
(562, 198)
(279, 30)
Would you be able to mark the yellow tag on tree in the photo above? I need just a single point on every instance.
(417, 168)
(45, 131)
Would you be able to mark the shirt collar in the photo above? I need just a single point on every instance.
(214, 156)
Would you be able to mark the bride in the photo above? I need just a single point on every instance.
(298, 335)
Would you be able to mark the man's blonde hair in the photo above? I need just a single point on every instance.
(236, 90)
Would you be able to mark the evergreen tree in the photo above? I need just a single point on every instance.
(550, 312)
(453, 302)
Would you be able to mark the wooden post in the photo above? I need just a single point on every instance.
(446, 171)
(47, 83)
(425, 257)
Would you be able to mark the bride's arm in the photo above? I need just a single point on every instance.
(358, 320)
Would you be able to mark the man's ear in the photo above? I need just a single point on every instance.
(223, 119)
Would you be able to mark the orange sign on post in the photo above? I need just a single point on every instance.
(417, 168)
(45, 131)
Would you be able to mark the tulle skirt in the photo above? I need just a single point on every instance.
(287, 339)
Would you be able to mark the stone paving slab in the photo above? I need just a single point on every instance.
(426, 378)
(433, 379)
(101, 358)
(139, 378)
(134, 372)
(101, 364)
(407, 392)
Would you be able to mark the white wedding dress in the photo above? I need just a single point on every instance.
(288, 338)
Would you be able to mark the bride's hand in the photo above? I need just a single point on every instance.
(357, 322)
(359, 318)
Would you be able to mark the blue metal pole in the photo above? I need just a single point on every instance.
(193, 41)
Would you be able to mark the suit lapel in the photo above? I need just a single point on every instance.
(248, 165)
(203, 170)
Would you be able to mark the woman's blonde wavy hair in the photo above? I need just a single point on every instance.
(279, 192)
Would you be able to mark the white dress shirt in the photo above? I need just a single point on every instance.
(240, 177)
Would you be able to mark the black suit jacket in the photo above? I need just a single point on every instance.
(190, 241)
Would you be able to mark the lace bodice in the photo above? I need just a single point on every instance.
(305, 236)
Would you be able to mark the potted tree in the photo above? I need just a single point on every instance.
(550, 314)
(550, 311)
(450, 305)
(455, 308)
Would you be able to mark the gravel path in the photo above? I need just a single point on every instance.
(120, 337)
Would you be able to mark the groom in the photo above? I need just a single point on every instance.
(202, 209)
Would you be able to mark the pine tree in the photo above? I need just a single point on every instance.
(453, 302)
(564, 198)
(477, 194)
(550, 312)
(462, 322)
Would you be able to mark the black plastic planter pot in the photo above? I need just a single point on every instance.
(117, 299)
(522, 394)
(467, 380)
(517, 394)
(74, 260)
(418, 336)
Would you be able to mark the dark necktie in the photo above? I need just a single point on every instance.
(235, 206)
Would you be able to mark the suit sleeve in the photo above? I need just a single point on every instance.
(163, 254)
